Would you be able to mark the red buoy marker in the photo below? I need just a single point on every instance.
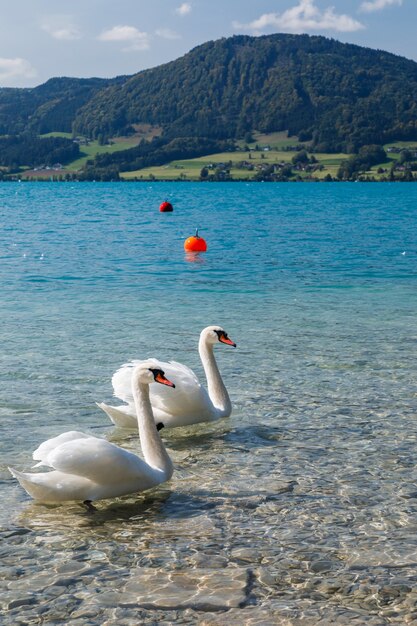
(166, 207)
(195, 243)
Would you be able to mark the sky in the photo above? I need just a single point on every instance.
(41, 39)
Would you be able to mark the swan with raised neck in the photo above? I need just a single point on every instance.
(190, 403)
(86, 468)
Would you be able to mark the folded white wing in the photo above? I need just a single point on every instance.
(96, 459)
(188, 400)
(42, 452)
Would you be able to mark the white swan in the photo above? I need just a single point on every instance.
(89, 468)
(190, 403)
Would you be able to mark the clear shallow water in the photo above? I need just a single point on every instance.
(301, 507)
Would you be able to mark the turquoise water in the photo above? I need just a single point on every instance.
(298, 508)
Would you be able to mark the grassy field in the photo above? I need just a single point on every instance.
(270, 150)
(190, 169)
(90, 150)
(266, 149)
(93, 148)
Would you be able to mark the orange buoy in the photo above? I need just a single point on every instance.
(166, 207)
(195, 243)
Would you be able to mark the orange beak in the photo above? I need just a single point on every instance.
(224, 339)
(164, 381)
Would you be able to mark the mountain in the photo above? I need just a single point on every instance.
(338, 96)
(49, 107)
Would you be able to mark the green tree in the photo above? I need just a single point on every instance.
(405, 156)
(301, 157)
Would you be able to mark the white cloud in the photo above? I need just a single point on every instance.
(16, 68)
(60, 27)
(377, 5)
(303, 17)
(167, 33)
(183, 9)
(135, 39)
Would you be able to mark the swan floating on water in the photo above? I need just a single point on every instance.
(87, 468)
(189, 403)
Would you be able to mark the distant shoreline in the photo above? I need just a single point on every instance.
(206, 182)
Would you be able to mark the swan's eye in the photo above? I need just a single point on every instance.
(156, 372)
(223, 338)
(159, 377)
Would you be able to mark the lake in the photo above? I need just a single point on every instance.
(300, 508)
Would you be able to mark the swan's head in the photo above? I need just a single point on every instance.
(149, 372)
(215, 334)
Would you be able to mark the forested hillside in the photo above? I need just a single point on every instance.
(49, 107)
(338, 95)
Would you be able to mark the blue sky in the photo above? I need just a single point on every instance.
(40, 39)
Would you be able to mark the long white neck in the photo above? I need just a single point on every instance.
(153, 449)
(215, 385)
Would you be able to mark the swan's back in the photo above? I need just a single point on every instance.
(98, 460)
(188, 401)
(122, 378)
(41, 453)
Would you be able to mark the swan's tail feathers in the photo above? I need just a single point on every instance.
(14, 472)
(25, 481)
(123, 416)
